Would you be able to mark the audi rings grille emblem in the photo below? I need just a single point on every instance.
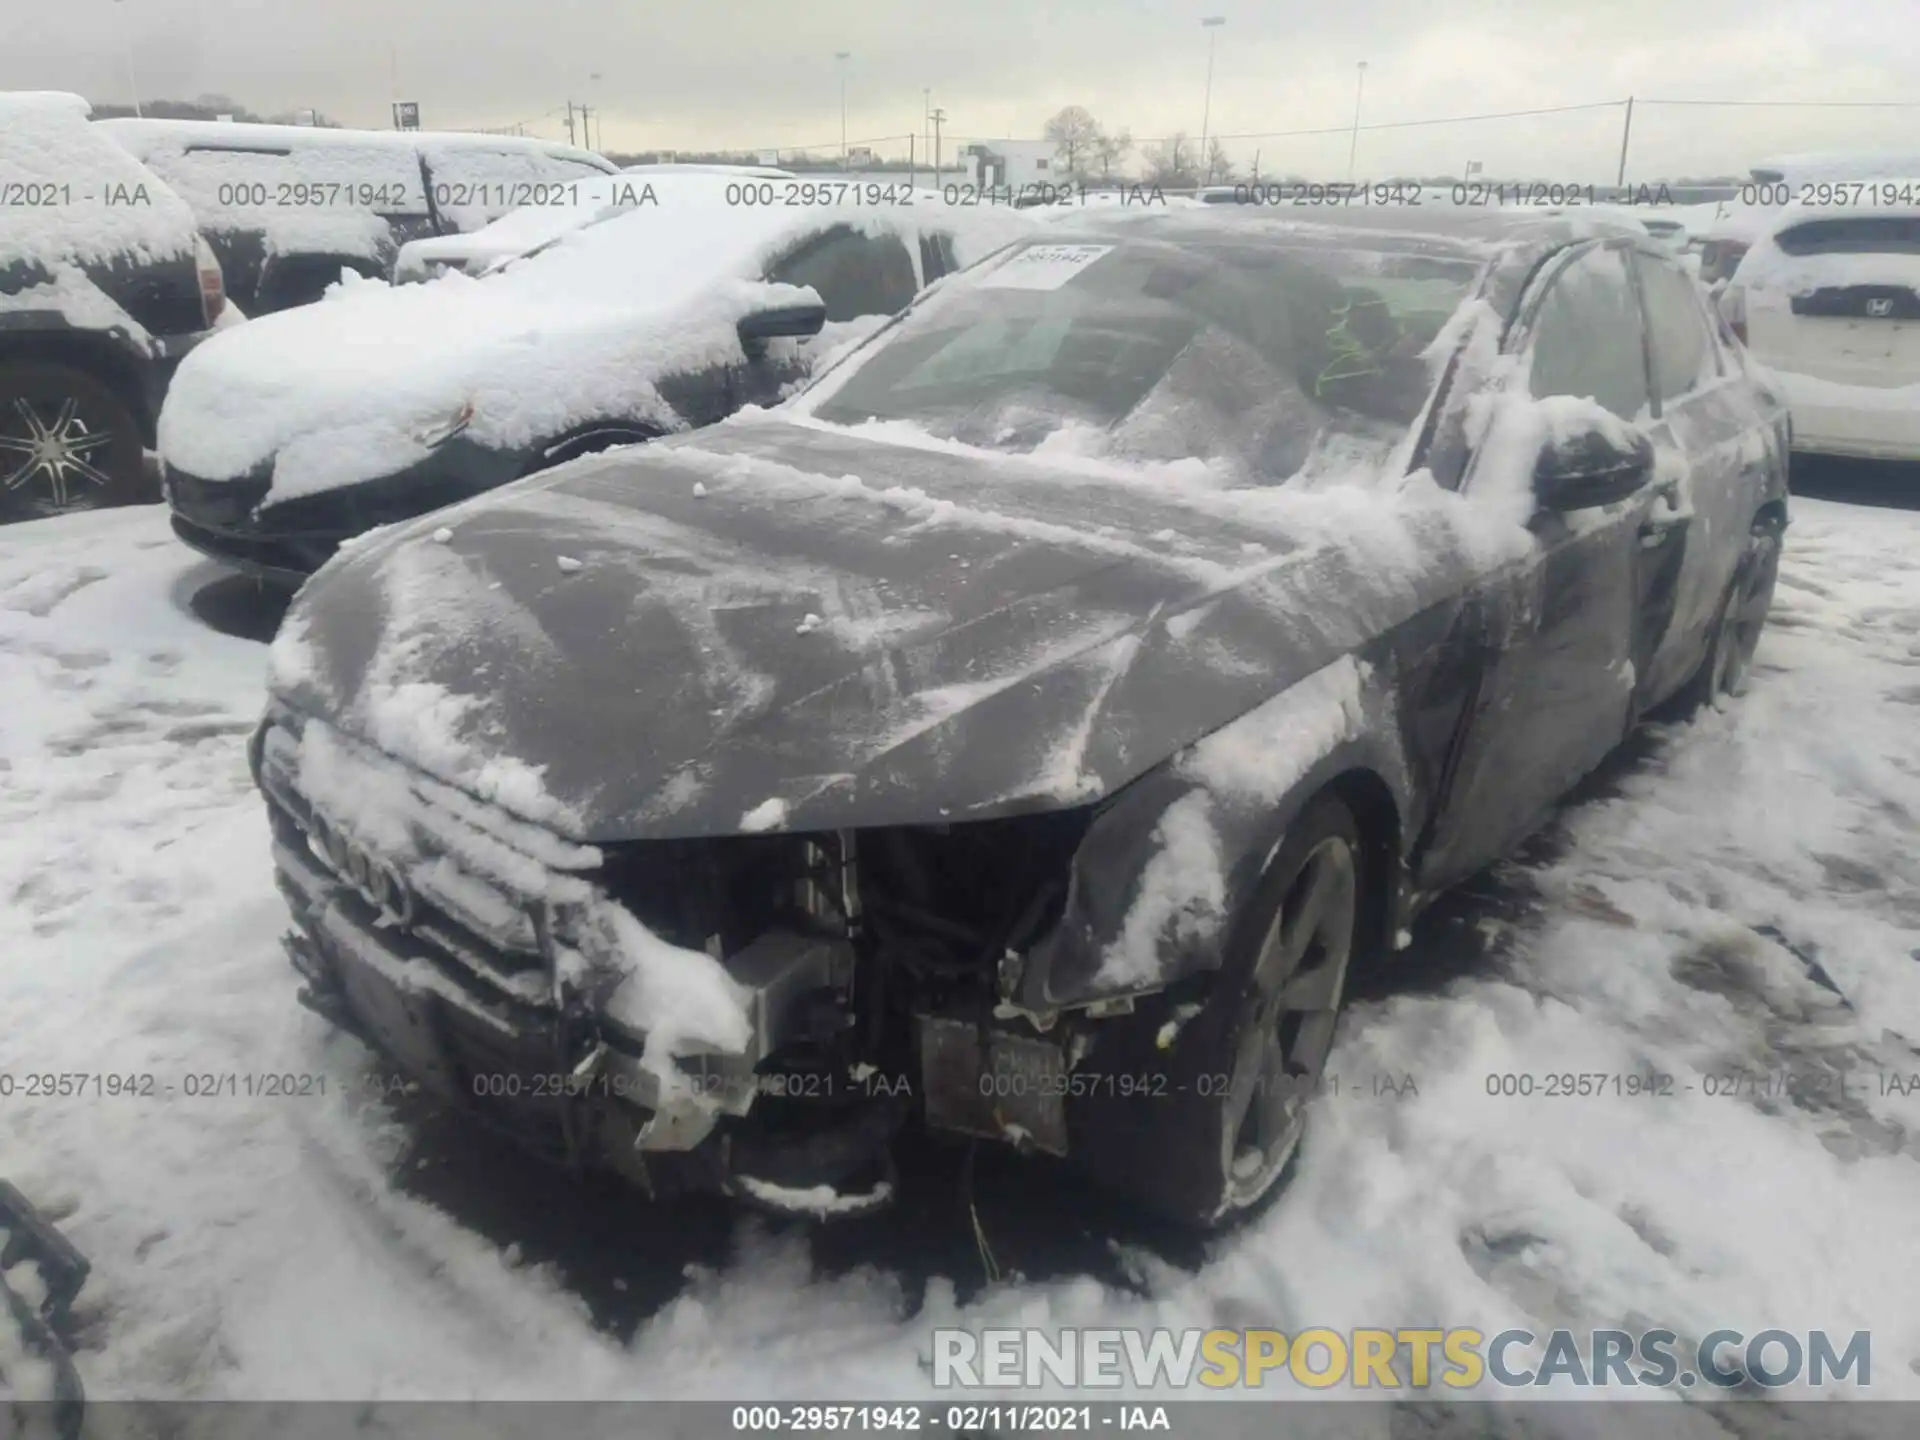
(1880, 309)
(376, 881)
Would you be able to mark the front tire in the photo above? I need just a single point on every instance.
(67, 442)
(1216, 1139)
(1724, 674)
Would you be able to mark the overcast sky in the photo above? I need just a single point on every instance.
(762, 73)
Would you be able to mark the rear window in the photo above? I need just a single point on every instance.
(474, 186)
(263, 187)
(1853, 235)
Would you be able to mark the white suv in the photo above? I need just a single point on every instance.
(1828, 298)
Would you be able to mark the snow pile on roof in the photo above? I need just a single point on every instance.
(81, 198)
(338, 392)
(1767, 266)
(1839, 165)
(324, 190)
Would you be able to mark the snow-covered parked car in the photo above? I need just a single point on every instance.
(1025, 731)
(104, 286)
(304, 429)
(1828, 298)
(288, 207)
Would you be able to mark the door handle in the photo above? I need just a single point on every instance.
(1654, 533)
(1657, 525)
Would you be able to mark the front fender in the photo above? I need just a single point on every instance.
(1163, 868)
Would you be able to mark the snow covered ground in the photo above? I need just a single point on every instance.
(1739, 895)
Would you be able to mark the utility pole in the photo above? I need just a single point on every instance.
(843, 56)
(938, 117)
(1353, 142)
(569, 122)
(126, 54)
(1211, 25)
(586, 128)
(1626, 134)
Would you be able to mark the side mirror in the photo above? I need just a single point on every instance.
(1591, 468)
(787, 320)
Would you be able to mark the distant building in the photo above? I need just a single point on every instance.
(1014, 164)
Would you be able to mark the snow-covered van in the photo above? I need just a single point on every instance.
(1828, 297)
(288, 207)
(104, 286)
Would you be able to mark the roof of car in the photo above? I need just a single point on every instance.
(1509, 244)
(1887, 197)
(1460, 229)
(112, 207)
(141, 135)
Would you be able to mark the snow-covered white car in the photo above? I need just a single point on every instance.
(1828, 298)
(104, 286)
(288, 207)
(301, 430)
(1723, 234)
(1026, 732)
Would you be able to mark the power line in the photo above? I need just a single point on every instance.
(829, 145)
(1802, 104)
(1372, 125)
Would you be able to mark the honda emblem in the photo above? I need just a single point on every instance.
(1880, 309)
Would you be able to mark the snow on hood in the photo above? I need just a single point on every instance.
(47, 145)
(340, 391)
(789, 625)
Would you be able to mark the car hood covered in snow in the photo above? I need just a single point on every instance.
(343, 390)
(774, 623)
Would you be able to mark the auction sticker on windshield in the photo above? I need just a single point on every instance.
(1044, 267)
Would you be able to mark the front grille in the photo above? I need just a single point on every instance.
(456, 881)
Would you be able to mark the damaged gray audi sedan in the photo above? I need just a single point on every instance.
(1025, 732)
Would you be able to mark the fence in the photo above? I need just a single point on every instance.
(1607, 134)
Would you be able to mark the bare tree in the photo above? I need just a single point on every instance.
(1111, 150)
(1076, 136)
(1219, 164)
(1170, 162)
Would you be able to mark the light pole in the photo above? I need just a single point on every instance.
(126, 55)
(1353, 142)
(843, 56)
(1210, 24)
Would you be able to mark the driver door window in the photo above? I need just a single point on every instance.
(1586, 336)
(855, 274)
(1684, 358)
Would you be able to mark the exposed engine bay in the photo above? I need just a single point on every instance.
(876, 970)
